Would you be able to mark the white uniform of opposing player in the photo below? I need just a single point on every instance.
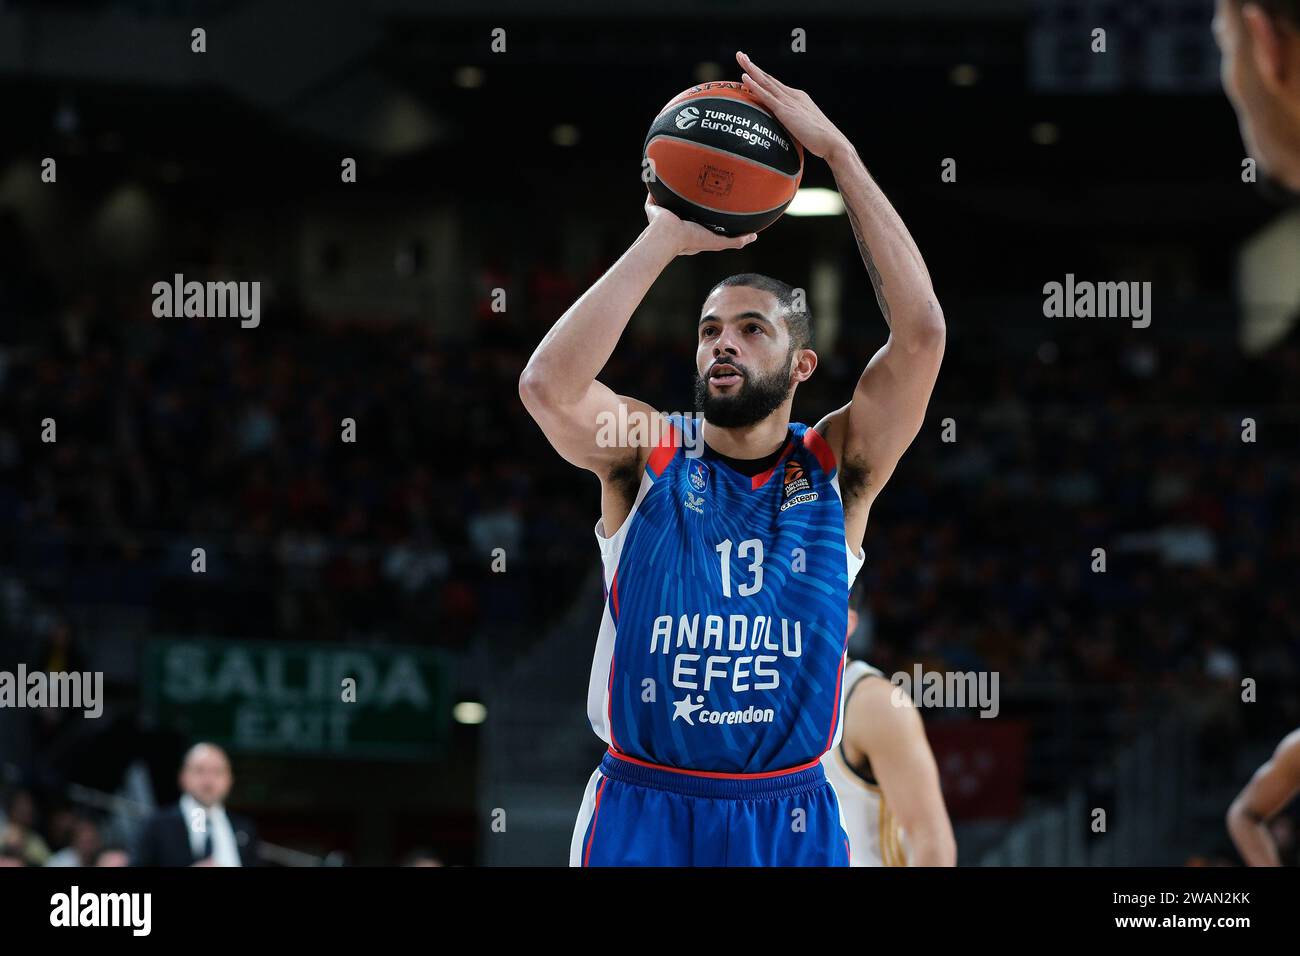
(875, 839)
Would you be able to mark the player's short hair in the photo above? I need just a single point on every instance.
(797, 322)
(1288, 9)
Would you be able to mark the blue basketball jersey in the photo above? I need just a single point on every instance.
(722, 641)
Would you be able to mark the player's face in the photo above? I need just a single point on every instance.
(743, 357)
(1261, 111)
(206, 776)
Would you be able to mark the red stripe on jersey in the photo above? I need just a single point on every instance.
(595, 815)
(758, 481)
(609, 701)
(821, 450)
(663, 454)
(715, 774)
(835, 712)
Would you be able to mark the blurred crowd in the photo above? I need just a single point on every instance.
(63, 836)
(193, 435)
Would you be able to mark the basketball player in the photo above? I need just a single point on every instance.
(1260, 42)
(1274, 785)
(885, 776)
(729, 551)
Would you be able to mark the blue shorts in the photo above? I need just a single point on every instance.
(638, 814)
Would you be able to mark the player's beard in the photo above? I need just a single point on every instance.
(757, 397)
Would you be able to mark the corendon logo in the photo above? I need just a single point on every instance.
(750, 715)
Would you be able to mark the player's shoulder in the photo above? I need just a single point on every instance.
(876, 705)
(853, 470)
(650, 439)
(810, 440)
(874, 687)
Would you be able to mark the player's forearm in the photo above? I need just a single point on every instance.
(893, 261)
(577, 347)
(1252, 839)
(932, 845)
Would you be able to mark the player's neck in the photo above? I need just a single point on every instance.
(752, 441)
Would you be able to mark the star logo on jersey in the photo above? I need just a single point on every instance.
(685, 709)
(694, 503)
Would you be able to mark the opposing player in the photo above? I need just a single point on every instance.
(717, 674)
(885, 776)
(1260, 42)
(1274, 785)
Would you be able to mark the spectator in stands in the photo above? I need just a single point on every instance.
(197, 830)
(19, 835)
(84, 848)
(57, 653)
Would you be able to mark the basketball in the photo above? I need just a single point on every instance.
(722, 160)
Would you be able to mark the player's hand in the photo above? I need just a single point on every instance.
(689, 238)
(794, 108)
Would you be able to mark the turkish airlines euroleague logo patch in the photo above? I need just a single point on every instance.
(796, 487)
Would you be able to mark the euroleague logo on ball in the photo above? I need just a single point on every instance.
(688, 117)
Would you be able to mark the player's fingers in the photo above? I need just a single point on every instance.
(758, 85)
(769, 82)
(762, 95)
(737, 243)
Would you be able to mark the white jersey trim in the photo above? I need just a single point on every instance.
(611, 549)
(856, 561)
(585, 812)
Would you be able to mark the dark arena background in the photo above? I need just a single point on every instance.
(225, 517)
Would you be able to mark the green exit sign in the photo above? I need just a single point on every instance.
(310, 699)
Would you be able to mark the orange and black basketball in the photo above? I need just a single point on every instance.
(722, 160)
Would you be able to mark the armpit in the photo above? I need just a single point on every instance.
(855, 479)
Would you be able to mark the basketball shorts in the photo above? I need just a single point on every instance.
(639, 814)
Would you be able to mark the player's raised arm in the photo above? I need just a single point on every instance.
(558, 385)
(1270, 789)
(871, 433)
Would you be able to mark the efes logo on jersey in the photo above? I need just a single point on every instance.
(797, 488)
(699, 476)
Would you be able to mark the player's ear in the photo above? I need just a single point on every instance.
(805, 362)
(1267, 47)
